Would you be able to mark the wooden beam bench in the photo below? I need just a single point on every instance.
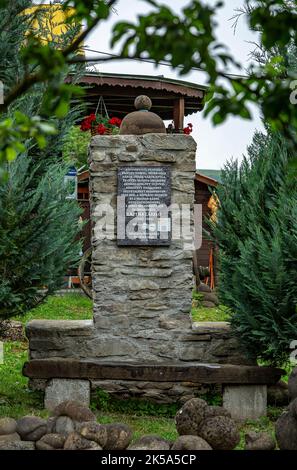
(244, 387)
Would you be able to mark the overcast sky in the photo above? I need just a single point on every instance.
(215, 144)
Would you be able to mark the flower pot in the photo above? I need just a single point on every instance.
(95, 132)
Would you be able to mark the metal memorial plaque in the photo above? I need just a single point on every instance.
(143, 206)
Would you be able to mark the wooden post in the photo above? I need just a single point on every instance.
(179, 113)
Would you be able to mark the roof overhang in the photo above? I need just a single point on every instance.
(206, 180)
(120, 90)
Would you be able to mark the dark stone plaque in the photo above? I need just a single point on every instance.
(143, 212)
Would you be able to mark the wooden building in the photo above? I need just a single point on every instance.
(205, 182)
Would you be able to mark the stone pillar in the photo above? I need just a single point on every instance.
(142, 294)
(245, 401)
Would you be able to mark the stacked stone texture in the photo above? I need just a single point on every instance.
(135, 287)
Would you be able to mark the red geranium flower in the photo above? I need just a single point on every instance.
(101, 129)
(115, 122)
(189, 129)
(85, 125)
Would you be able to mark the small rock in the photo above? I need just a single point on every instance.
(212, 411)
(94, 446)
(7, 426)
(190, 416)
(150, 442)
(93, 432)
(207, 304)
(17, 445)
(76, 442)
(190, 443)
(278, 394)
(220, 432)
(51, 441)
(292, 384)
(259, 441)
(40, 445)
(31, 428)
(118, 436)
(10, 437)
(75, 411)
(286, 431)
(203, 288)
(210, 297)
(64, 425)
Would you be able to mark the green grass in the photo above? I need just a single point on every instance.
(141, 425)
(219, 313)
(15, 398)
(67, 307)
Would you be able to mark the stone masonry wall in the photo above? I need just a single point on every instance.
(136, 288)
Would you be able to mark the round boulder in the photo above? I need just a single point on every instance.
(212, 411)
(286, 431)
(63, 425)
(259, 441)
(118, 436)
(278, 394)
(76, 442)
(220, 432)
(7, 426)
(150, 442)
(93, 432)
(190, 443)
(210, 297)
(203, 287)
(292, 384)
(17, 445)
(293, 408)
(190, 416)
(10, 437)
(208, 304)
(31, 428)
(51, 442)
(75, 411)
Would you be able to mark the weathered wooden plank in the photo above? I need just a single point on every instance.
(197, 373)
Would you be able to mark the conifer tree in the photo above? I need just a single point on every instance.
(257, 235)
(38, 224)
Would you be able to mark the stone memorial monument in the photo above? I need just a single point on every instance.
(141, 342)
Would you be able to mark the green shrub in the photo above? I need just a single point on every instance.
(257, 235)
(75, 147)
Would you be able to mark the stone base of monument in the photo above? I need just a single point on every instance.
(245, 401)
(245, 387)
(59, 390)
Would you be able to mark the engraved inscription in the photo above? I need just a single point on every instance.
(143, 212)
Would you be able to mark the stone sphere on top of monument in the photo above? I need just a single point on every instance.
(142, 121)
